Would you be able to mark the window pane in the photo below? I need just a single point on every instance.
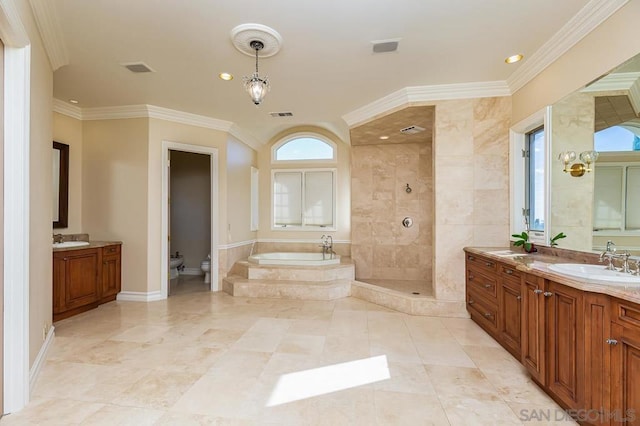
(616, 138)
(633, 198)
(536, 180)
(319, 198)
(287, 203)
(608, 198)
(305, 149)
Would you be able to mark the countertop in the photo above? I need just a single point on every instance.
(538, 264)
(92, 244)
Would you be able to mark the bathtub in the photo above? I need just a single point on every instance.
(293, 259)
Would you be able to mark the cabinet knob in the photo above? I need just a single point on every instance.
(471, 302)
(537, 291)
(487, 286)
(611, 342)
(470, 277)
(488, 315)
(518, 297)
(471, 258)
(547, 294)
(488, 263)
(508, 271)
(65, 258)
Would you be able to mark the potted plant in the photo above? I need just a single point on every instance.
(523, 240)
(556, 238)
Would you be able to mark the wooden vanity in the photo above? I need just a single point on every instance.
(579, 341)
(85, 277)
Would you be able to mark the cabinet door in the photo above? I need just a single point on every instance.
(565, 344)
(597, 325)
(81, 283)
(625, 372)
(110, 276)
(533, 327)
(510, 316)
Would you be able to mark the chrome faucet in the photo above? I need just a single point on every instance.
(57, 238)
(609, 254)
(327, 246)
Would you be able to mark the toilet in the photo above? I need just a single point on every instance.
(206, 268)
(175, 261)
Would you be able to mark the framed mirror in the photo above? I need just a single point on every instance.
(60, 194)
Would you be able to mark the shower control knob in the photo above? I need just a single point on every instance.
(407, 222)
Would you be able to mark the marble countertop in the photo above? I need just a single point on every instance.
(538, 264)
(92, 244)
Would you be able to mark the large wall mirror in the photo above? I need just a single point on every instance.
(603, 204)
(60, 195)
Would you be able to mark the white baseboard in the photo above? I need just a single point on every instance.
(34, 372)
(191, 271)
(139, 296)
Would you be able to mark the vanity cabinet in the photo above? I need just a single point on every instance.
(85, 278)
(494, 300)
(581, 347)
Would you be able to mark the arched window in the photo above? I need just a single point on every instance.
(304, 148)
(304, 198)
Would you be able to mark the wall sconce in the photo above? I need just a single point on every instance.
(578, 169)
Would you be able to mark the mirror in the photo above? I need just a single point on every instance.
(60, 193)
(605, 203)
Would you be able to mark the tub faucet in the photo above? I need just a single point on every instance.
(327, 246)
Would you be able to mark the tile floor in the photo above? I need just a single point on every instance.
(423, 287)
(209, 358)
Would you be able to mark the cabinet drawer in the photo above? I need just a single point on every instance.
(483, 312)
(481, 262)
(509, 273)
(483, 284)
(626, 312)
(111, 249)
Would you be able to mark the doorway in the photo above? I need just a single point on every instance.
(182, 150)
(189, 221)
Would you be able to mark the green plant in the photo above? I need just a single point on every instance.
(523, 240)
(560, 236)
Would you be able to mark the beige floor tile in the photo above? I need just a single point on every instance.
(461, 382)
(158, 390)
(541, 415)
(393, 408)
(123, 416)
(204, 358)
(472, 412)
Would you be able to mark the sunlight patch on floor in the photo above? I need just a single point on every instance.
(332, 378)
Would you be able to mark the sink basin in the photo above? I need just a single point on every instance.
(596, 273)
(68, 244)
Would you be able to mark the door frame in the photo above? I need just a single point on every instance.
(164, 255)
(16, 206)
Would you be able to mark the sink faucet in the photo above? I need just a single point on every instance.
(57, 238)
(327, 246)
(609, 253)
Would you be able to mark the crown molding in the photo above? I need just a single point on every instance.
(611, 82)
(245, 137)
(67, 109)
(586, 20)
(187, 118)
(160, 113)
(422, 94)
(50, 30)
(12, 30)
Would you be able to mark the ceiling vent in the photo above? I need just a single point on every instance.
(281, 114)
(138, 67)
(412, 130)
(385, 46)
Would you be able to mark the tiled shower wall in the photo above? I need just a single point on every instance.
(381, 247)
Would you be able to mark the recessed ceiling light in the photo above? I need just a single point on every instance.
(384, 138)
(225, 76)
(73, 101)
(514, 58)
